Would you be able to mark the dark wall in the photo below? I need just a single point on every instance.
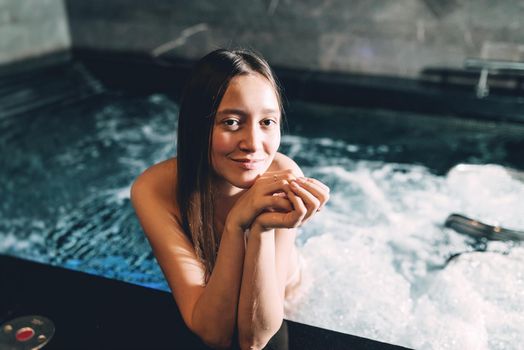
(397, 38)
(31, 28)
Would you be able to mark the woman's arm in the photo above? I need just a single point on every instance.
(271, 242)
(261, 304)
(214, 315)
(210, 311)
(261, 308)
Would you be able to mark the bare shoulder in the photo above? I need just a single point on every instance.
(164, 170)
(153, 197)
(157, 182)
(283, 162)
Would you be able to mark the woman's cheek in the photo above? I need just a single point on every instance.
(275, 142)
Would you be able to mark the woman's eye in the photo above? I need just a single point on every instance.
(231, 123)
(268, 122)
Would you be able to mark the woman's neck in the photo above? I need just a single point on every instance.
(225, 190)
(225, 198)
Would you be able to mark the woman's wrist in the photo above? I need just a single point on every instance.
(236, 221)
(233, 228)
(259, 229)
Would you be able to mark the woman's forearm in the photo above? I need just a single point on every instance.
(260, 310)
(215, 313)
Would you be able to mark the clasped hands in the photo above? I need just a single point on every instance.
(279, 200)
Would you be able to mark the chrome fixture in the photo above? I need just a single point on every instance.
(490, 66)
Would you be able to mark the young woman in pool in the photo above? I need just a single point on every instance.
(222, 216)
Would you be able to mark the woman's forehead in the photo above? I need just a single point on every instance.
(250, 93)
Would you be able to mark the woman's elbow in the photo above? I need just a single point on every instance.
(212, 338)
(253, 344)
(258, 339)
(217, 343)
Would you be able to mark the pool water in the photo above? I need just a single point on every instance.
(376, 257)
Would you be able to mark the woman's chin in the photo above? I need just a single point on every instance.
(243, 181)
(246, 181)
(244, 184)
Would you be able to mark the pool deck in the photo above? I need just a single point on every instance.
(93, 312)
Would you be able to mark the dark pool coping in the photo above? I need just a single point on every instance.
(137, 72)
(100, 313)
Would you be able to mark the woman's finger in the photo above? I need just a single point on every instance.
(272, 176)
(296, 216)
(277, 203)
(278, 172)
(311, 202)
(313, 185)
(271, 220)
(316, 188)
(289, 219)
(318, 183)
(272, 187)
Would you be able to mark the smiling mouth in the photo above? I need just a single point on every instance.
(248, 160)
(249, 163)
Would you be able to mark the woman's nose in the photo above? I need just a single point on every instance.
(251, 139)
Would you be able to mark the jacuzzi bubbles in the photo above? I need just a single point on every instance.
(490, 192)
(377, 257)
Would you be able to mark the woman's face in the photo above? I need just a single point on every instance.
(246, 132)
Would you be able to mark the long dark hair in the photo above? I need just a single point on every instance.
(199, 104)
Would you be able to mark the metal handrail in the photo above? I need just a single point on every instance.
(493, 65)
(486, 66)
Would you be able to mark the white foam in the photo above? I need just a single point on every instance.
(378, 258)
(488, 192)
(376, 255)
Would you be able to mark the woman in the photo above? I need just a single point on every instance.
(222, 216)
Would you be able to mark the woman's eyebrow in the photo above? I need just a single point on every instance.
(234, 111)
(242, 113)
(270, 111)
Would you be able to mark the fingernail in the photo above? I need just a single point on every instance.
(294, 184)
(301, 179)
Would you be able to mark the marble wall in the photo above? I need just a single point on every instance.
(398, 38)
(31, 28)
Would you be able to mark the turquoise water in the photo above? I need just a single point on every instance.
(376, 257)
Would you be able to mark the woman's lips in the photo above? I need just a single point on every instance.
(249, 164)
